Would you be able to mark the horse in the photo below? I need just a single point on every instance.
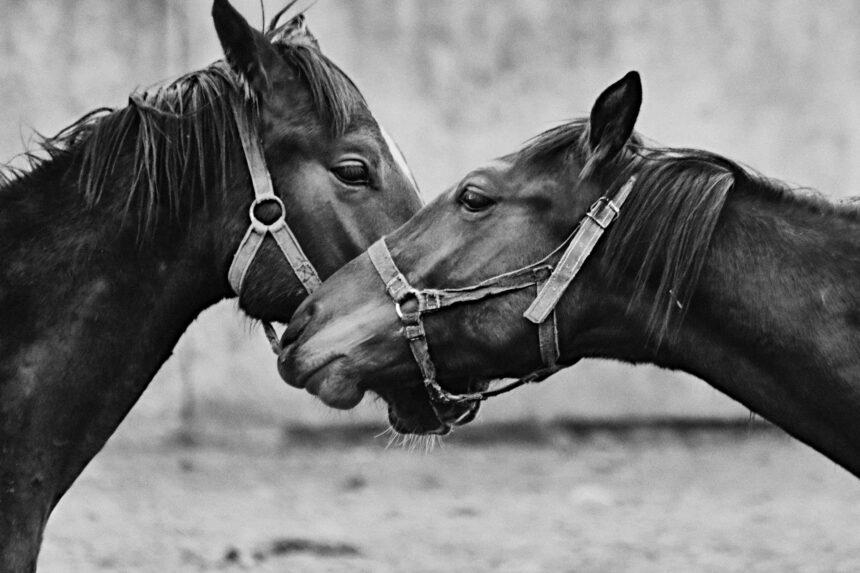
(592, 241)
(131, 221)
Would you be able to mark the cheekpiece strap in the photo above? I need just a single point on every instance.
(395, 283)
(398, 289)
(601, 214)
(253, 149)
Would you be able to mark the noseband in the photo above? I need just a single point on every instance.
(550, 280)
(264, 194)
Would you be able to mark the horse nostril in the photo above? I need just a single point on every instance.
(298, 323)
(283, 369)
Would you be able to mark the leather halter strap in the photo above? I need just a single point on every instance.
(551, 281)
(279, 230)
(432, 300)
(264, 192)
(596, 221)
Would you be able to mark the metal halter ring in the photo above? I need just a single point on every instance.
(258, 225)
(398, 310)
(411, 293)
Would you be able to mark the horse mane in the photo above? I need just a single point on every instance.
(174, 138)
(666, 227)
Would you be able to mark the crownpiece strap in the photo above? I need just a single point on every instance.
(596, 221)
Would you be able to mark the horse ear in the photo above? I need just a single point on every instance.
(613, 117)
(247, 51)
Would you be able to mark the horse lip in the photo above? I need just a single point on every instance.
(403, 426)
(284, 372)
(301, 381)
(446, 416)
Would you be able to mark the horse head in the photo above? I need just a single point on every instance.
(339, 182)
(463, 271)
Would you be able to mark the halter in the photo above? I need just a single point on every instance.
(550, 282)
(264, 194)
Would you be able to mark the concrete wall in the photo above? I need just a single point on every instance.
(773, 83)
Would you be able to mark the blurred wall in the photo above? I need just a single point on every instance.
(773, 83)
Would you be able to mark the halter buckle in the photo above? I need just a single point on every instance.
(414, 331)
(542, 273)
(258, 225)
(399, 288)
(603, 212)
(430, 301)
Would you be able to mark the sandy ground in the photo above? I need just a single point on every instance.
(653, 501)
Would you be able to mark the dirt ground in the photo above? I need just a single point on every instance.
(605, 501)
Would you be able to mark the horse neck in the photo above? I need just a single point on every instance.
(774, 320)
(87, 316)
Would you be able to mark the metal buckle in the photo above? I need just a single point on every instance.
(597, 209)
(261, 227)
(542, 273)
(414, 331)
(398, 310)
(398, 287)
(430, 301)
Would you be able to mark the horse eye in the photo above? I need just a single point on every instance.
(474, 201)
(352, 172)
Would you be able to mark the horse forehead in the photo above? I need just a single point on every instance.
(499, 166)
(495, 172)
(400, 161)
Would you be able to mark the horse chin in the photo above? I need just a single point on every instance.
(410, 412)
(337, 393)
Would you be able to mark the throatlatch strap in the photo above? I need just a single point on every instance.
(597, 220)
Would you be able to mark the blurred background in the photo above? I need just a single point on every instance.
(772, 83)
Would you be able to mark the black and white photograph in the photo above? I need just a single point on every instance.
(426, 286)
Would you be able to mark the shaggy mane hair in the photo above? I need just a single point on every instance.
(175, 138)
(663, 236)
